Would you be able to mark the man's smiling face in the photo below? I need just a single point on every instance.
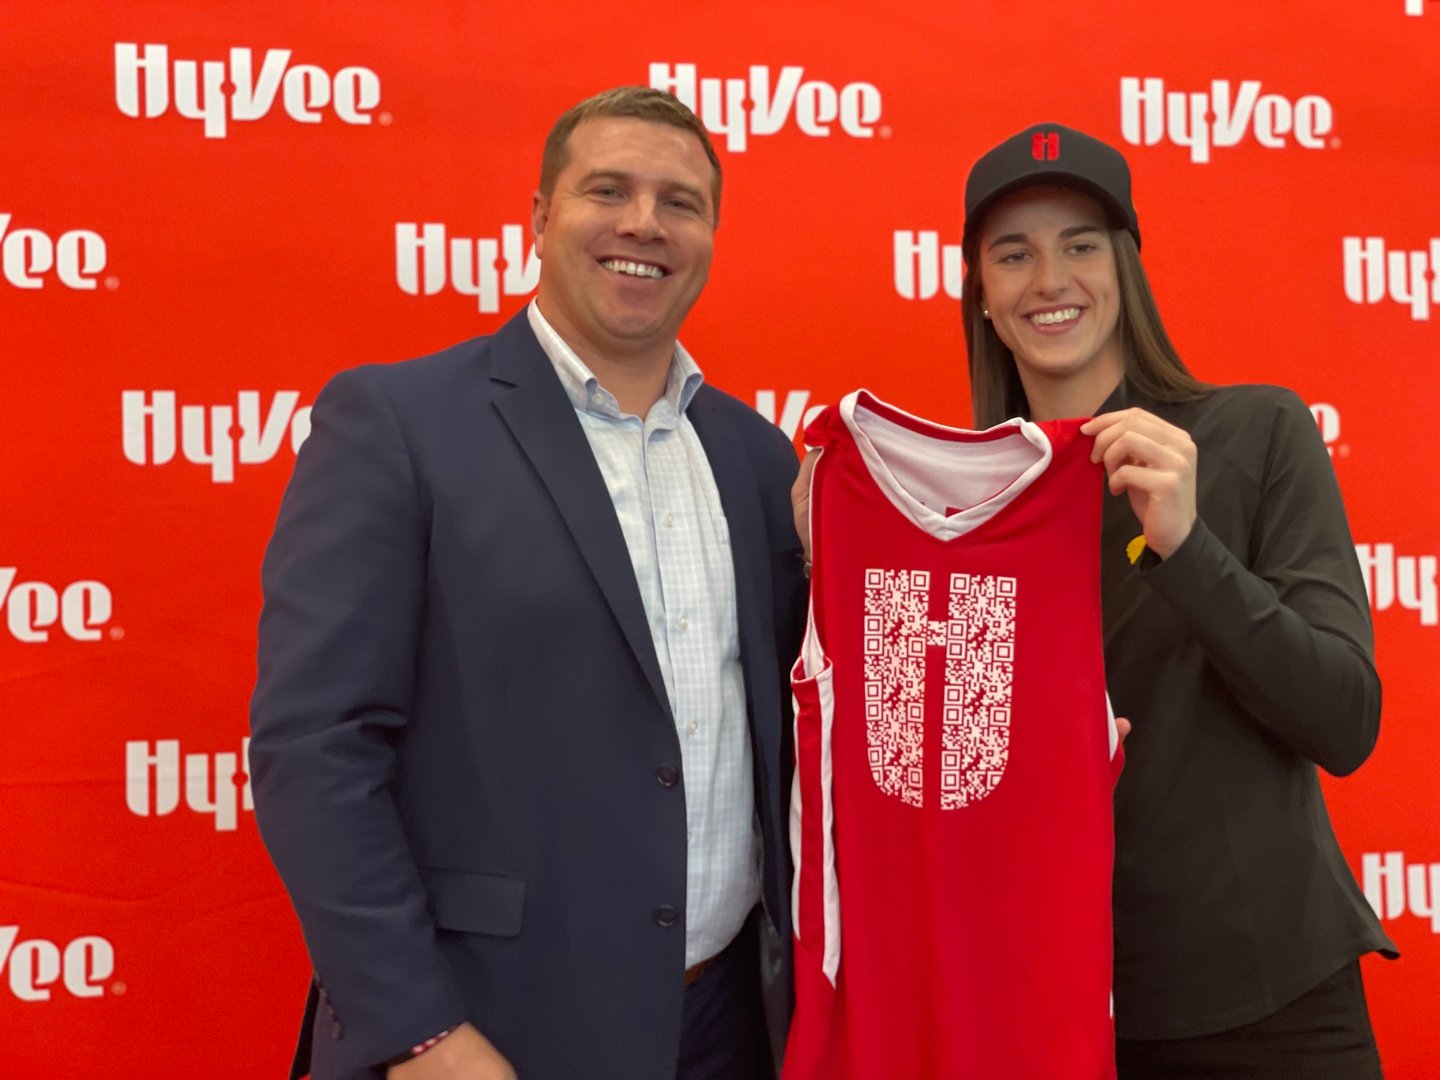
(625, 237)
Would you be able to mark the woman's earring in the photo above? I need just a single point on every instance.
(985, 312)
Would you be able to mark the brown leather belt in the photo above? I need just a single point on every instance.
(692, 974)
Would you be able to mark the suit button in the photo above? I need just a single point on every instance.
(666, 916)
(667, 776)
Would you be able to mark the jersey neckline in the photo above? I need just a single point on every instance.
(861, 407)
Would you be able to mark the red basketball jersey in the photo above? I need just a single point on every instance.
(955, 757)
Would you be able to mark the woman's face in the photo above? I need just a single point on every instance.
(1047, 275)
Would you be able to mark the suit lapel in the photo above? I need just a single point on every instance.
(542, 419)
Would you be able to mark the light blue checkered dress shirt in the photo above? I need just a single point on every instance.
(679, 543)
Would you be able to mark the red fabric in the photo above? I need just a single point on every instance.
(974, 927)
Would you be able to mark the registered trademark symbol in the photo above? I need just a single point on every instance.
(386, 119)
(117, 633)
(112, 283)
(118, 988)
(1343, 449)
(886, 131)
(1334, 142)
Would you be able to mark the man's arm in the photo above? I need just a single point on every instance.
(344, 593)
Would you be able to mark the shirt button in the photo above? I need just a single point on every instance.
(666, 916)
(684, 621)
(669, 521)
(692, 727)
(667, 776)
(689, 834)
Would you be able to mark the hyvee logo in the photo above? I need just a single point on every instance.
(741, 108)
(209, 434)
(35, 965)
(26, 255)
(32, 607)
(426, 261)
(1393, 888)
(1406, 277)
(1411, 579)
(793, 415)
(153, 775)
(923, 265)
(200, 88)
(1224, 116)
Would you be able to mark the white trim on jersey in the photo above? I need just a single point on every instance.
(813, 665)
(998, 466)
(823, 679)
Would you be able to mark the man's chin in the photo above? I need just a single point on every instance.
(638, 331)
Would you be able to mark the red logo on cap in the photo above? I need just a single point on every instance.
(1045, 147)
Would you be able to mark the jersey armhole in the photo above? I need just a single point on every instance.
(812, 650)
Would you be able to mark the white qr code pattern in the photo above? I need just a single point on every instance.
(978, 642)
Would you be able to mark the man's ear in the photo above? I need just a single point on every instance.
(539, 215)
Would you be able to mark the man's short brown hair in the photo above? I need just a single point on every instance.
(632, 102)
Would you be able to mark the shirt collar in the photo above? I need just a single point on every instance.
(584, 389)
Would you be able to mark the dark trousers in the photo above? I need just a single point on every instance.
(723, 1036)
(1324, 1035)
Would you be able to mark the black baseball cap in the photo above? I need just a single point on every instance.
(1051, 154)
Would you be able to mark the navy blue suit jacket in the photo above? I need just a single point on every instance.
(464, 763)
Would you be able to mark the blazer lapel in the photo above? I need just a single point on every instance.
(540, 416)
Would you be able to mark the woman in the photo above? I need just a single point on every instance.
(1237, 633)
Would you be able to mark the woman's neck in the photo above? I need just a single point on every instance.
(1057, 398)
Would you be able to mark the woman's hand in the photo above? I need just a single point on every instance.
(800, 501)
(1154, 463)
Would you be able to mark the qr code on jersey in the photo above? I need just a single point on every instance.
(972, 650)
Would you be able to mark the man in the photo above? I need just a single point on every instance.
(517, 733)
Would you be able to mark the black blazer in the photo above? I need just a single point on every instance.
(464, 764)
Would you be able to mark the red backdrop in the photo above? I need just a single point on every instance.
(205, 210)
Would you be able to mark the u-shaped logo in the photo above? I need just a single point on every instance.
(975, 642)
